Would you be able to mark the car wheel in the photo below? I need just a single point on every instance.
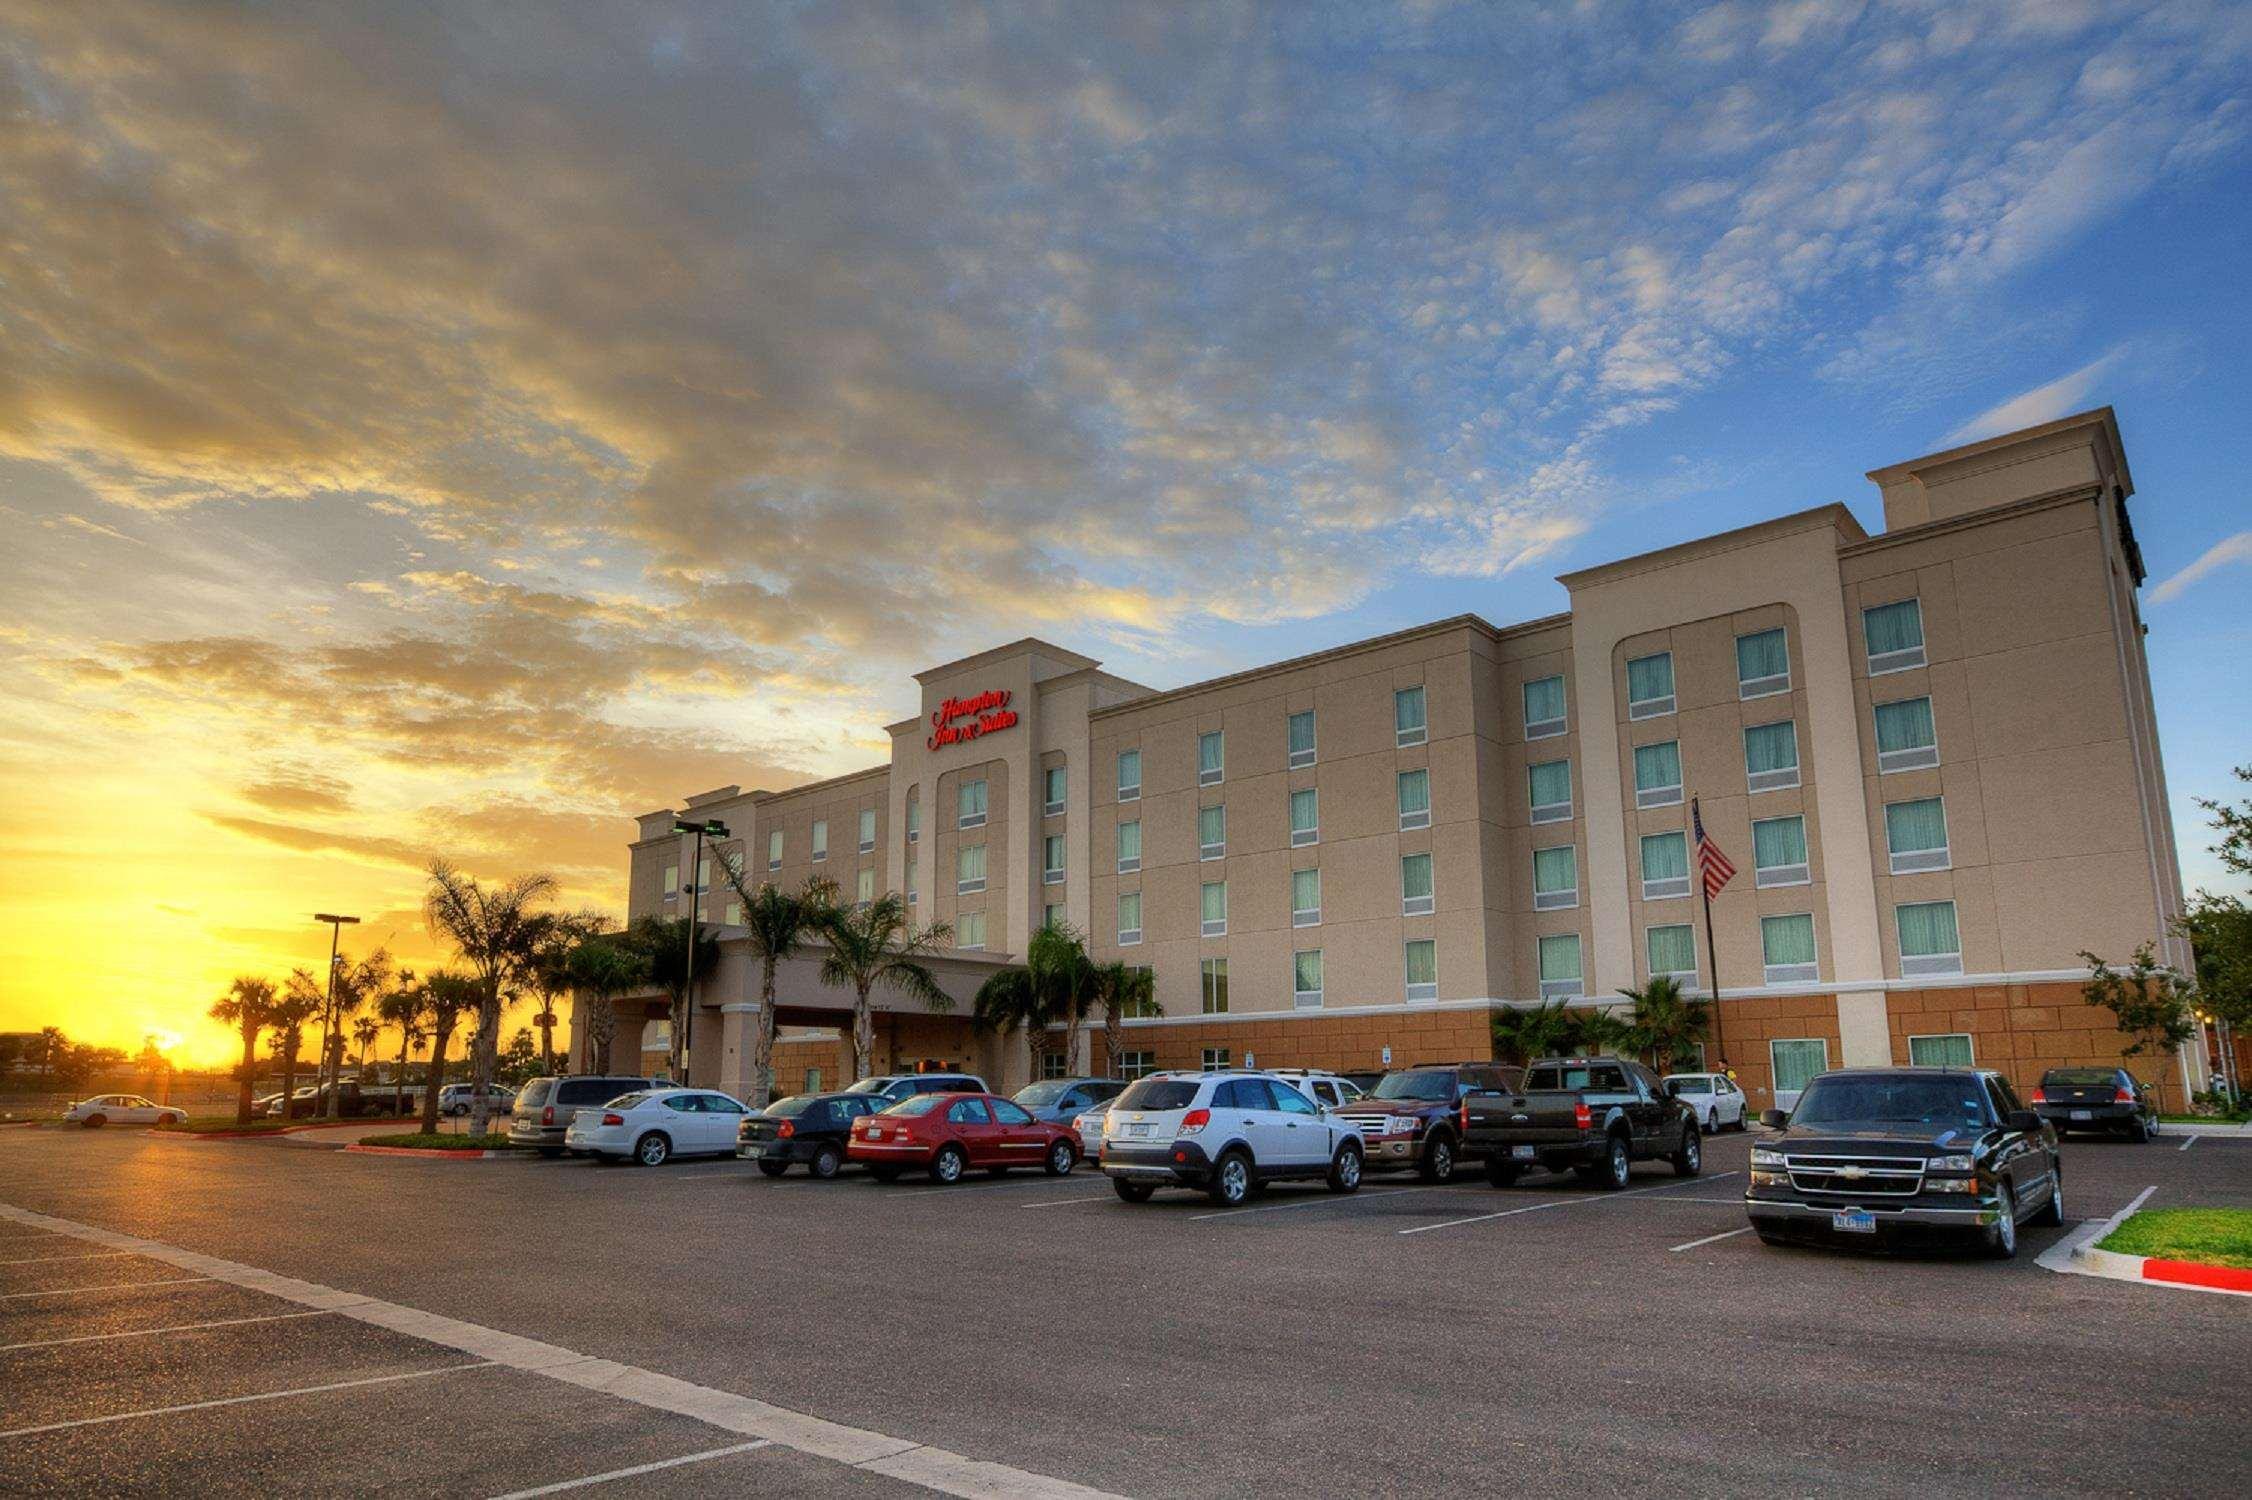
(1132, 1192)
(96, 1122)
(948, 1165)
(2052, 1212)
(651, 1150)
(2153, 1125)
(1618, 1166)
(1438, 1160)
(1061, 1159)
(1231, 1180)
(774, 1168)
(1501, 1174)
(828, 1161)
(1690, 1159)
(2139, 1132)
(1345, 1171)
(2001, 1235)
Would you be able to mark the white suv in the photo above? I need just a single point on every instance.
(1325, 1089)
(1227, 1133)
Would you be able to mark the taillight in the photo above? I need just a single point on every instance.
(613, 1119)
(1582, 1116)
(786, 1129)
(1195, 1120)
(1462, 1117)
(547, 1115)
(2039, 1097)
(2120, 1096)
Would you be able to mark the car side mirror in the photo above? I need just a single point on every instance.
(2022, 1119)
(1774, 1119)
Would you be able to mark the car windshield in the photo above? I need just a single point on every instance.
(921, 1104)
(1948, 1100)
(1159, 1093)
(870, 1086)
(1041, 1095)
(1425, 1085)
(2091, 1076)
(792, 1107)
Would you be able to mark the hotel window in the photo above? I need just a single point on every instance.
(1305, 818)
(914, 816)
(1052, 789)
(1051, 859)
(911, 894)
(1215, 1060)
(970, 804)
(733, 861)
(672, 882)
(1421, 956)
(867, 830)
(866, 891)
(1560, 967)
(1673, 952)
(1786, 946)
(1550, 787)
(1649, 686)
(1907, 739)
(1657, 774)
(1136, 1064)
(1929, 943)
(1053, 1064)
(1129, 775)
(774, 850)
(1144, 1006)
(1129, 917)
(1556, 878)
(1214, 978)
(1665, 865)
(1544, 708)
(1771, 756)
(812, 1081)
(1305, 898)
(1129, 847)
(1763, 664)
(734, 914)
(1915, 835)
(1052, 916)
(1305, 968)
(820, 838)
(1415, 799)
(1215, 908)
(1301, 739)
(969, 869)
(1894, 636)
(1415, 885)
(1212, 831)
(1948, 1050)
(703, 877)
(1408, 724)
(1779, 852)
(1211, 759)
(1795, 1061)
(969, 929)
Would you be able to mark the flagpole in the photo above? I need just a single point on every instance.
(1712, 953)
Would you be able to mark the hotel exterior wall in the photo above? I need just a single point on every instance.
(1311, 1040)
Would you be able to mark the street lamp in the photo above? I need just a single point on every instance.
(682, 1023)
(336, 925)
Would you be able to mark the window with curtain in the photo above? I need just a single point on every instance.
(1673, 950)
(1305, 967)
(1787, 941)
(672, 880)
(1927, 930)
(1051, 915)
(1305, 897)
(1556, 876)
(1771, 755)
(1415, 799)
(1894, 635)
(1129, 916)
(1211, 758)
(1409, 726)
(1422, 964)
(1214, 980)
(1544, 707)
(1779, 850)
(1051, 856)
(970, 803)
(867, 829)
(1949, 1051)
(1130, 845)
(1649, 685)
(1302, 739)
(969, 929)
(1907, 737)
(1657, 774)
(969, 867)
(774, 849)
(1796, 1061)
(1129, 774)
(1665, 857)
(1215, 907)
(1550, 786)
(914, 817)
(1305, 816)
(1916, 834)
(1415, 883)
(1051, 798)
(865, 891)
(820, 838)
(1560, 958)
(1763, 663)
(1211, 831)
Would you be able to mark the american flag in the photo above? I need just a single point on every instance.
(1711, 863)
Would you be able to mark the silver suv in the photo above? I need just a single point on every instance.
(544, 1107)
(1227, 1133)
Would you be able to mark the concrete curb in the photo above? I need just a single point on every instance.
(429, 1151)
(262, 1135)
(2077, 1255)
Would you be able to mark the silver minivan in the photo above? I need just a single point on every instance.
(544, 1107)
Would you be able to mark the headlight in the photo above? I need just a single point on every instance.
(1763, 1156)
(1950, 1164)
(1406, 1124)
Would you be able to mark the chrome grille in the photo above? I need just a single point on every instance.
(1864, 1176)
(1369, 1125)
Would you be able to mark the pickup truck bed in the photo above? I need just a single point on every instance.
(1609, 1114)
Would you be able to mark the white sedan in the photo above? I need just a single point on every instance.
(656, 1124)
(122, 1109)
(1714, 1096)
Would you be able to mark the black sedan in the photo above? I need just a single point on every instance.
(806, 1130)
(2105, 1099)
(1906, 1156)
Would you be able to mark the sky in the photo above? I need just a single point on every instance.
(451, 430)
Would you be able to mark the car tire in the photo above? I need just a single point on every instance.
(1617, 1165)
(828, 1161)
(1345, 1169)
(1061, 1159)
(774, 1168)
(651, 1150)
(2139, 1132)
(948, 1166)
(1130, 1191)
(2052, 1212)
(96, 1122)
(1438, 1161)
(1502, 1174)
(2001, 1235)
(1690, 1159)
(1231, 1180)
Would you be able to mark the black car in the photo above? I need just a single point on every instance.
(2105, 1099)
(805, 1129)
(1905, 1156)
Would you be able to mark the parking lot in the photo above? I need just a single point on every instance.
(236, 1317)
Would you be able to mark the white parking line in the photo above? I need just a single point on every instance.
(48, 1260)
(963, 1187)
(1060, 1202)
(106, 1286)
(2189, 1143)
(1711, 1239)
(303, 1390)
(1509, 1213)
(1314, 1200)
(140, 1333)
(662, 1463)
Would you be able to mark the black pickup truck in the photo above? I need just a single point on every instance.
(1596, 1116)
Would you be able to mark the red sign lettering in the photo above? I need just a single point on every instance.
(961, 719)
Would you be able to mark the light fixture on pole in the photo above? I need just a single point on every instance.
(329, 1091)
(681, 1024)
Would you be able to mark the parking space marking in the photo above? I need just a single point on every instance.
(962, 1187)
(1712, 1239)
(303, 1390)
(649, 1468)
(1510, 1213)
(2189, 1143)
(1312, 1200)
(142, 1333)
(857, 1447)
(47, 1260)
(107, 1286)
(1060, 1202)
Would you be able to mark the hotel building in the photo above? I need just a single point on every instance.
(1930, 753)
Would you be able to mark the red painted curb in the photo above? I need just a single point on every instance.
(2196, 1273)
(446, 1155)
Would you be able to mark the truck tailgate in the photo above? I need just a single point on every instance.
(1545, 1117)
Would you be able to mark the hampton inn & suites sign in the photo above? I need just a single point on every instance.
(959, 719)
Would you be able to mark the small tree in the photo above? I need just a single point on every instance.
(496, 930)
(248, 1006)
(365, 1030)
(598, 971)
(1522, 1034)
(1598, 1030)
(301, 1000)
(1054, 985)
(1667, 1022)
(880, 944)
(1120, 991)
(777, 924)
(555, 935)
(663, 945)
(2151, 1004)
(401, 1006)
(446, 998)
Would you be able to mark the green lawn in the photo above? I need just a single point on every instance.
(2209, 1236)
(422, 1142)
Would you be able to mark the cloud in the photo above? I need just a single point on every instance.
(2230, 549)
(2044, 403)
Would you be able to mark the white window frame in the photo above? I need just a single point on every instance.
(1300, 759)
(1556, 900)
(1806, 973)
(1301, 837)
(1216, 1060)
(1546, 729)
(965, 917)
(1656, 796)
(1775, 1073)
(1770, 781)
(1929, 965)
(1687, 978)
(914, 820)
(1211, 928)
(1970, 1040)
(867, 830)
(1663, 888)
(1307, 999)
(1420, 734)
(820, 839)
(1305, 916)
(1551, 812)
(985, 798)
(1130, 792)
(1918, 861)
(1651, 708)
(1052, 874)
(1218, 773)
(1205, 974)
(864, 885)
(1421, 818)
(1418, 906)
(969, 885)
(1128, 863)
(1764, 687)
(1428, 990)
(1776, 875)
(774, 847)
(1907, 658)
(1129, 936)
(1206, 851)
(1562, 989)
(1916, 758)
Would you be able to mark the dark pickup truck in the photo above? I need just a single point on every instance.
(1596, 1116)
(1412, 1118)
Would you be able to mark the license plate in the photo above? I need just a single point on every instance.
(2083, 1114)
(1138, 1132)
(1854, 1221)
(1524, 1152)
(750, 1153)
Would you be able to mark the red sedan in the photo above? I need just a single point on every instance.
(947, 1134)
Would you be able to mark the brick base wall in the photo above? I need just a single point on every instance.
(1338, 1043)
(2026, 1029)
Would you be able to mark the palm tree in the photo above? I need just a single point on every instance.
(1599, 1031)
(496, 932)
(364, 1032)
(446, 998)
(401, 1006)
(301, 1000)
(663, 942)
(356, 983)
(1054, 985)
(1523, 1033)
(880, 944)
(554, 937)
(247, 1006)
(1668, 1022)
(597, 972)
(1121, 990)
(777, 925)
(52, 1045)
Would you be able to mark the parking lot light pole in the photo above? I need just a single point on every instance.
(681, 1024)
(336, 925)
